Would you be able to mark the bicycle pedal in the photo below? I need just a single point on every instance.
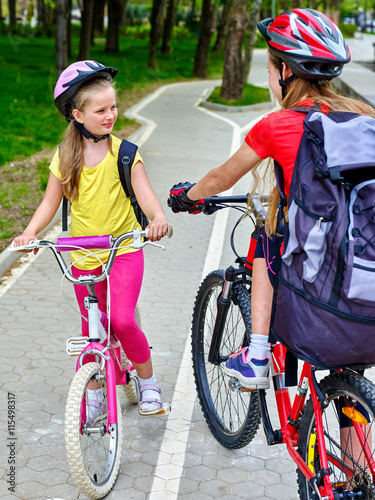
(235, 386)
(75, 345)
(166, 409)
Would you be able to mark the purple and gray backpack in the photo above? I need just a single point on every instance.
(324, 309)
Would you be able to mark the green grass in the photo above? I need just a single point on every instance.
(30, 122)
(251, 95)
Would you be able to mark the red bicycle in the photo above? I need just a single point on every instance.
(328, 435)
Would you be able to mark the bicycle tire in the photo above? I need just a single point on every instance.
(93, 457)
(233, 417)
(130, 389)
(339, 388)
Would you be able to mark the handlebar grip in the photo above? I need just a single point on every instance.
(87, 242)
(171, 202)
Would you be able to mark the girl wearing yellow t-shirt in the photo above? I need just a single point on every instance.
(84, 169)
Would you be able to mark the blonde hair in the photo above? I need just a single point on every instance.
(71, 160)
(301, 89)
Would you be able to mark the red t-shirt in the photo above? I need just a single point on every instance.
(278, 136)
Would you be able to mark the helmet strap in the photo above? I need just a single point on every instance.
(88, 134)
(284, 83)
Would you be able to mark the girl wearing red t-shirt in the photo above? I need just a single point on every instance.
(306, 50)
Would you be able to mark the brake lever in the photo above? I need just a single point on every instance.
(148, 242)
(211, 209)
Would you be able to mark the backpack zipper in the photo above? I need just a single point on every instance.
(320, 218)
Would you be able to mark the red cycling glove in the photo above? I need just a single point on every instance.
(179, 202)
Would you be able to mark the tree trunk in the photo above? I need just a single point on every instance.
(251, 39)
(99, 17)
(114, 16)
(168, 26)
(61, 43)
(233, 68)
(222, 28)
(203, 47)
(1, 17)
(44, 15)
(69, 27)
(156, 30)
(86, 30)
(12, 15)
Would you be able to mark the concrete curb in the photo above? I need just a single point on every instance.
(236, 109)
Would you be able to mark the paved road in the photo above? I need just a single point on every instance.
(163, 457)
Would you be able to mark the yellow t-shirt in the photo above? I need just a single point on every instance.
(101, 207)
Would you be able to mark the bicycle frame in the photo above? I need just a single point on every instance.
(115, 374)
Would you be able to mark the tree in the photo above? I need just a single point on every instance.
(99, 17)
(203, 47)
(233, 67)
(222, 28)
(1, 17)
(61, 43)
(168, 26)
(12, 15)
(251, 38)
(157, 14)
(44, 15)
(86, 29)
(113, 30)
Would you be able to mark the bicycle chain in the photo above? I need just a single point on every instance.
(372, 487)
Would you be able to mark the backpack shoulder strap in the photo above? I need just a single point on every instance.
(125, 162)
(64, 214)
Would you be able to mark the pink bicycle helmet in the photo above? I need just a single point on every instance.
(308, 42)
(72, 78)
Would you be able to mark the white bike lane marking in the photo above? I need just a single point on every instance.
(170, 467)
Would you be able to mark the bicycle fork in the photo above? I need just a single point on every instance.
(223, 304)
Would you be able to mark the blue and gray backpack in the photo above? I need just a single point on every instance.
(324, 307)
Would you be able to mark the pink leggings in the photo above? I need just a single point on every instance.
(125, 285)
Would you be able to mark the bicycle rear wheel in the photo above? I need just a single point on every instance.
(233, 417)
(352, 474)
(93, 449)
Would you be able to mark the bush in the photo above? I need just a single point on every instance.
(348, 30)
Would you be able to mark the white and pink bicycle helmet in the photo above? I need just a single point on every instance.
(73, 78)
(308, 42)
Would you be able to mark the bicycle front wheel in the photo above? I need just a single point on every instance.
(350, 397)
(93, 447)
(232, 416)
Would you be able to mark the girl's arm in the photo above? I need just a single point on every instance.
(224, 177)
(44, 213)
(151, 206)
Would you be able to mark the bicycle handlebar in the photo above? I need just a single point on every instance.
(212, 203)
(91, 242)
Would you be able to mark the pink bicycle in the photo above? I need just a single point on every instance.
(93, 424)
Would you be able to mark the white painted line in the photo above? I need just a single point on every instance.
(169, 470)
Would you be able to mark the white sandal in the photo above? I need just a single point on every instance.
(157, 402)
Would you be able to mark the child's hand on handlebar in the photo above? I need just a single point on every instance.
(157, 228)
(24, 239)
(178, 200)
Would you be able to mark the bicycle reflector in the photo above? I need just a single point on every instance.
(354, 415)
